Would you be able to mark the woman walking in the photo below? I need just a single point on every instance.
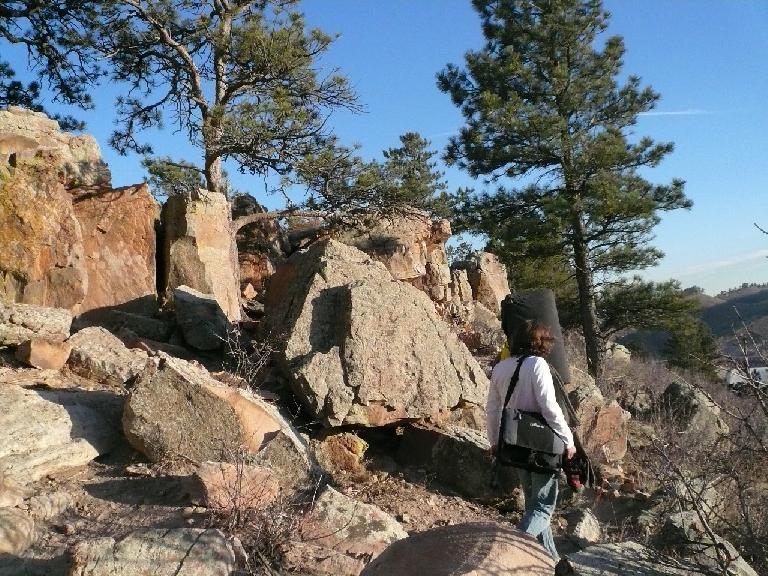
(534, 392)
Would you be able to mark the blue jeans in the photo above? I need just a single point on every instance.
(540, 492)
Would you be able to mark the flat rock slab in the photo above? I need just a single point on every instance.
(156, 552)
(471, 549)
(622, 559)
(22, 322)
(100, 356)
(44, 431)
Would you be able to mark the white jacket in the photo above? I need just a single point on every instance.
(534, 392)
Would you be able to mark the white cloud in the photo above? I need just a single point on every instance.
(714, 266)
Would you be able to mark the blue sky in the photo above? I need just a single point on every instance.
(707, 58)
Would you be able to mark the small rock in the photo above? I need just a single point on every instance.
(49, 506)
(584, 528)
(349, 526)
(44, 354)
(230, 487)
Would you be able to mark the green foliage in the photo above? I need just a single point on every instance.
(642, 305)
(168, 178)
(341, 181)
(460, 252)
(691, 346)
(541, 99)
(237, 78)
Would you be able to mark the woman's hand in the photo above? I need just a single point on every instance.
(570, 452)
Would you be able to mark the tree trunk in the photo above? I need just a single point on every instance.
(214, 179)
(587, 307)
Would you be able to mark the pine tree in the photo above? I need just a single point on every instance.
(541, 99)
(237, 78)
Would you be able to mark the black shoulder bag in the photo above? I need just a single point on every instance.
(532, 445)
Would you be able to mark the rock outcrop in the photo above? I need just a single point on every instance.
(118, 236)
(361, 348)
(44, 431)
(471, 549)
(261, 246)
(683, 534)
(412, 247)
(43, 259)
(488, 279)
(199, 249)
(25, 134)
(177, 408)
(160, 552)
(70, 240)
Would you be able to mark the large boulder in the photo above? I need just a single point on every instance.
(101, 357)
(178, 408)
(603, 425)
(199, 248)
(22, 322)
(156, 552)
(44, 431)
(694, 411)
(361, 348)
(346, 525)
(622, 558)
(457, 458)
(118, 235)
(472, 549)
(69, 239)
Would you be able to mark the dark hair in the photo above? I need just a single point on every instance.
(531, 338)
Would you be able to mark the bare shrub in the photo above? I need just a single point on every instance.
(724, 479)
(246, 358)
(264, 522)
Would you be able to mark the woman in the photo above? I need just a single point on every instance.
(534, 392)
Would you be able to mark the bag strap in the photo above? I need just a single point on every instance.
(510, 390)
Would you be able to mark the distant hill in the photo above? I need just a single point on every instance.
(750, 303)
(720, 314)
